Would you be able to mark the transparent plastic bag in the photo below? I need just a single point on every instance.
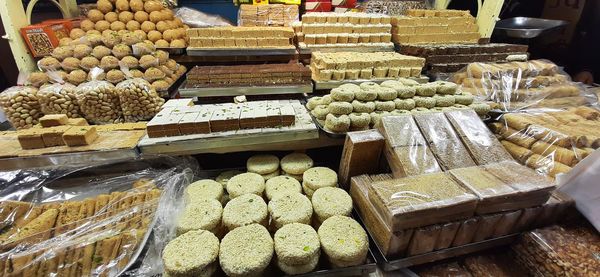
(59, 98)
(61, 221)
(560, 251)
(99, 100)
(138, 99)
(392, 7)
(197, 19)
(421, 200)
(519, 85)
(21, 107)
(267, 15)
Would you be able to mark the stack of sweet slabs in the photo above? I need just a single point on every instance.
(434, 27)
(267, 15)
(445, 58)
(248, 75)
(238, 37)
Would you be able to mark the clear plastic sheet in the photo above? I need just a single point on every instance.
(481, 143)
(392, 8)
(424, 240)
(99, 100)
(560, 251)
(551, 141)
(21, 107)
(82, 221)
(520, 85)
(421, 200)
(443, 141)
(197, 19)
(445, 269)
(59, 99)
(138, 99)
(267, 15)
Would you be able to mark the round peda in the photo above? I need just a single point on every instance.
(308, 191)
(424, 102)
(224, 177)
(464, 99)
(330, 201)
(296, 244)
(296, 163)
(337, 124)
(342, 95)
(246, 251)
(201, 214)
(298, 177)
(363, 107)
(406, 91)
(366, 95)
(320, 111)
(245, 210)
(191, 253)
(350, 87)
(444, 100)
(299, 269)
(263, 164)
(376, 117)
(386, 106)
(369, 86)
(408, 82)
(404, 104)
(326, 99)
(313, 102)
(480, 108)
(359, 121)
(386, 94)
(244, 183)
(426, 89)
(391, 84)
(280, 185)
(270, 175)
(340, 108)
(343, 239)
(320, 177)
(289, 208)
(444, 87)
(206, 188)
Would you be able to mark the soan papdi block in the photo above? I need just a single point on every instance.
(78, 136)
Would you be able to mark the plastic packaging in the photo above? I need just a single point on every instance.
(477, 138)
(82, 221)
(197, 19)
(99, 100)
(443, 141)
(466, 232)
(267, 15)
(506, 224)
(421, 200)
(138, 99)
(487, 225)
(423, 240)
(59, 98)
(392, 7)
(445, 269)
(520, 85)
(21, 107)
(447, 233)
(560, 251)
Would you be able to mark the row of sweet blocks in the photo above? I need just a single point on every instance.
(267, 15)
(239, 42)
(241, 32)
(347, 28)
(57, 130)
(204, 119)
(354, 60)
(365, 74)
(344, 38)
(354, 18)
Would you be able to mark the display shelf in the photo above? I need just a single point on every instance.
(235, 91)
(69, 159)
(388, 47)
(322, 85)
(221, 52)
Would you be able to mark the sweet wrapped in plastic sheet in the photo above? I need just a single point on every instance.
(445, 269)
(519, 85)
(421, 200)
(197, 19)
(99, 101)
(82, 221)
(551, 141)
(139, 101)
(59, 99)
(560, 251)
(267, 15)
(21, 107)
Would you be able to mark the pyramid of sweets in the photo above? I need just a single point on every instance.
(342, 29)
(241, 37)
(267, 15)
(365, 66)
(435, 27)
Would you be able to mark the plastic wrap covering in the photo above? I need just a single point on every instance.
(443, 141)
(550, 141)
(560, 251)
(519, 85)
(197, 19)
(82, 221)
(139, 100)
(421, 200)
(390, 7)
(446, 269)
(59, 99)
(99, 101)
(406, 150)
(267, 15)
(483, 146)
(21, 107)
(497, 264)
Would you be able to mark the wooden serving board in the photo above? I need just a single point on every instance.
(110, 140)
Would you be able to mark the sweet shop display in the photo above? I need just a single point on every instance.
(393, 8)
(267, 15)
(248, 75)
(434, 27)
(448, 58)
(342, 30)
(240, 37)
(363, 66)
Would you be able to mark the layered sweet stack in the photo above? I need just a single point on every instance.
(267, 15)
(237, 37)
(248, 75)
(435, 26)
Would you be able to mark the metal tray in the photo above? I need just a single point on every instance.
(235, 91)
(225, 52)
(527, 27)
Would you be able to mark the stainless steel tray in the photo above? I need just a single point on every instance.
(235, 91)
(527, 27)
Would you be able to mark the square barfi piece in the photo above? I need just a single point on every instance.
(31, 138)
(78, 136)
(51, 120)
(77, 122)
(53, 136)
